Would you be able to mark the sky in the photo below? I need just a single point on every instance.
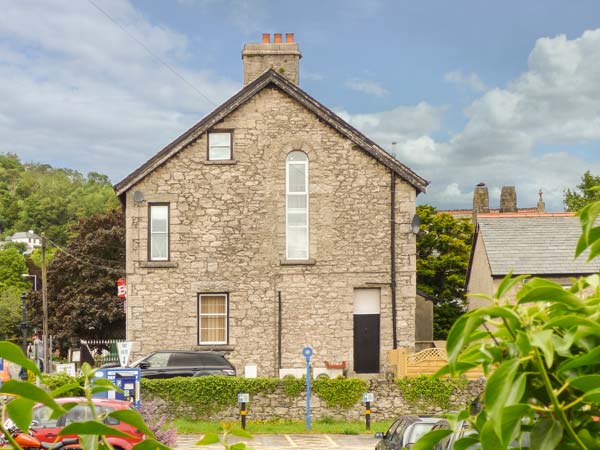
(461, 91)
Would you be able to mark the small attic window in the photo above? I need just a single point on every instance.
(220, 146)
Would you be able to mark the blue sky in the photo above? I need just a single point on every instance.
(501, 92)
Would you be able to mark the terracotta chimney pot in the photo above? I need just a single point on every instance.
(278, 38)
(266, 38)
(289, 38)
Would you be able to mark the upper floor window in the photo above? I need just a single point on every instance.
(296, 186)
(158, 232)
(220, 146)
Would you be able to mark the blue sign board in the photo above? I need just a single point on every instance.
(126, 379)
(1, 364)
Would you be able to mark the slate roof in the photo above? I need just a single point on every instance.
(534, 245)
(24, 235)
(272, 78)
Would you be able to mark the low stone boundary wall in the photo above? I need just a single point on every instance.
(388, 404)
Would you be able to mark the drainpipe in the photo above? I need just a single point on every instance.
(279, 330)
(393, 256)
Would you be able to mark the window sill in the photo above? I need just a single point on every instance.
(220, 162)
(215, 347)
(158, 264)
(298, 262)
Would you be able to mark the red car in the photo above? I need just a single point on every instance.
(46, 429)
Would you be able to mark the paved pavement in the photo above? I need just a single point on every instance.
(290, 441)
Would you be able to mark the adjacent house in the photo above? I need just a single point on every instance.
(537, 243)
(29, 238)
(270, 225)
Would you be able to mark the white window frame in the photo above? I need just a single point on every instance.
(226, 315)
(287, 209)
(228, 133)
(152, 233)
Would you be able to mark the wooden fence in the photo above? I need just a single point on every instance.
(425, 362)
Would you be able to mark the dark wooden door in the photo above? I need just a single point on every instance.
(366, 343)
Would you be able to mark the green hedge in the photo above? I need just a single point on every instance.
(429, 391)
(209, 395)
(216, 393)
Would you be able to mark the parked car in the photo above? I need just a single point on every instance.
(46, 428)
(405, 431)
(179, 363)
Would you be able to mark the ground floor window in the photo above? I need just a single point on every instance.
(212, 318)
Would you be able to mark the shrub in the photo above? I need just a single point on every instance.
(429, 391)
(293, 386)
(340, 392)
(164, 432)
(58, 380)
(207, 394)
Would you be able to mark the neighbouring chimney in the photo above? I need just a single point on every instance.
(508, 199)
(541, 206)
(276, 55)
(481, 199)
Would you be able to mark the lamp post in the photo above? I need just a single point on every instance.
(24, 321)
(26, 275)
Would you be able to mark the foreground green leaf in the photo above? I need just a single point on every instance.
(546, 435)
(92, 427)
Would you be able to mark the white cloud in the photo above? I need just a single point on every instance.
(313, 76)
(72, 82)
(510, 130)
(557, 100)
(366, 87)
(471, 80)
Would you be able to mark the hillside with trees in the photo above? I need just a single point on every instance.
(41, 198)
(83, 223)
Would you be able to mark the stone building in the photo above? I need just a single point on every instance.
(540, 245)
(270, 225)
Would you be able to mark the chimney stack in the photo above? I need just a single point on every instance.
(481, 199)
(508, 199)
(283, 57)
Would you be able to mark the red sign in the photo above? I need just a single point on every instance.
(121, 288)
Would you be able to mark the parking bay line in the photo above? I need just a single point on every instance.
(290, 440)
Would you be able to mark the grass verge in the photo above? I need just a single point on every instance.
(284, 426)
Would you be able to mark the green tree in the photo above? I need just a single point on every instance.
(12, 266)
(41, 198)
(443, 251)
(577, 198)
(82, 293)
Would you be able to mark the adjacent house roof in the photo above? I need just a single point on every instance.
(23, 235)
(534, 245)
(272, 78)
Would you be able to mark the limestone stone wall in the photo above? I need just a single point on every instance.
(227, 235)
(388, 404)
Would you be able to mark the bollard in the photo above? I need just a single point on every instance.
(243, 415)
(242, 400)
(367, 399)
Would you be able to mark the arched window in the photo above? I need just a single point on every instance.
(296, 217)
